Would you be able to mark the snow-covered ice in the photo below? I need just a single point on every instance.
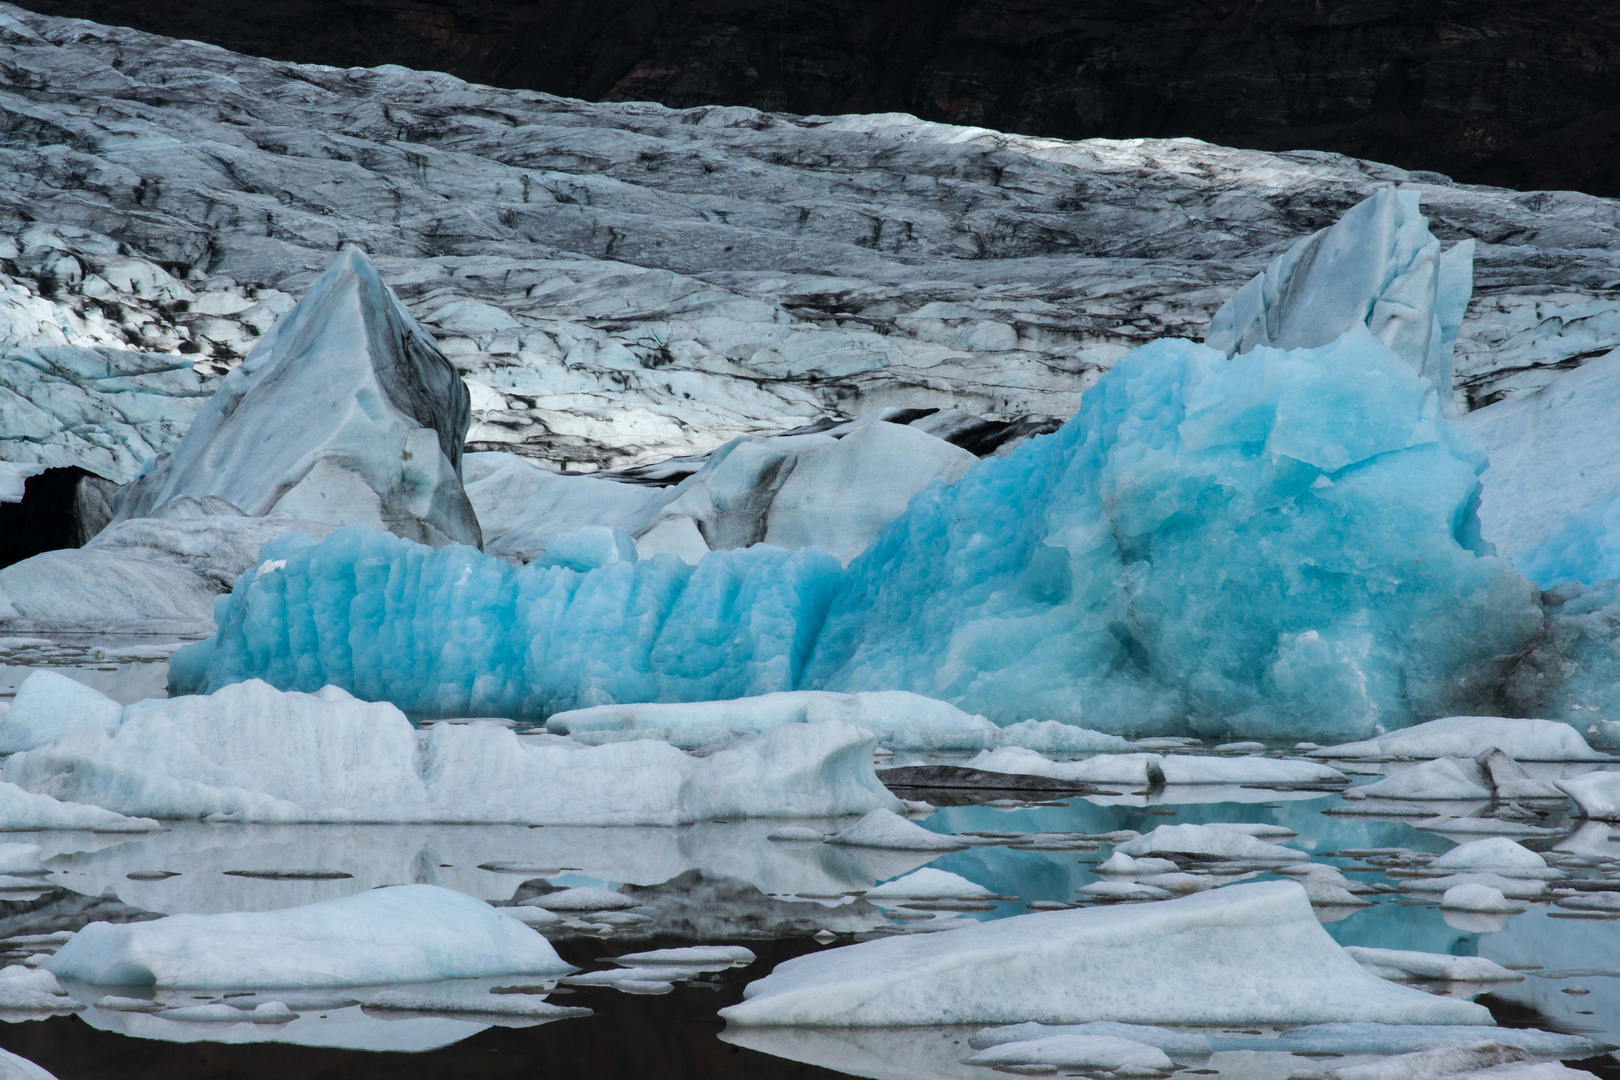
(1243, 954)
(1597, 794)
(408, 933)
(930, 883)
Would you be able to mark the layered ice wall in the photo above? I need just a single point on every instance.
(1280, 542)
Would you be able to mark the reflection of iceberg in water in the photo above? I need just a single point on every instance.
(880, 1053)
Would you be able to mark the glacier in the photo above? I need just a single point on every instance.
(1283, 541)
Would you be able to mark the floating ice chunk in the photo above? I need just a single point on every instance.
(406, 933)
(583, 898)
(1326, 886)
(49, 705)
(707, 957)
(1243, 954)
(886, 829)
(1379, 267)
(1442, 778)
(1551, 498)
(1441, 1063)
(521, 506)
(1099, 1052)
(1170, 1040)
(1129, 769)
(270, 1012)
(530, 915)
(1597, 901)
(13, 1067)
(1260, 829)
(1364, 1038)
(1499, 855)
(1471, 736)
(33, 989)
(1053, 737)
(20, 809)
(901, 720)
(20, 859)
(383, 446)
(1204, 840)
(1510, 781)
(930, 884)
(254, 753)
(1516, 888)
(1190, 769)
(1123, 891)
(1401, 965)
(1120, 864)
(1596, 793)
(525, 1006)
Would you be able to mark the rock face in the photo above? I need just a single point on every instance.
(345, 412)
(1515, 92)
(623, 283)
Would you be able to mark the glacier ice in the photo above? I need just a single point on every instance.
(49, 705)
(1276, 543)
(345, 411)
(405, 933)
(20, 1068)
(1441, 778)
(1405, 965)
(1378, 266)
(1251, 953)
(253, 753)
(1102, 1053)
(1552, 493)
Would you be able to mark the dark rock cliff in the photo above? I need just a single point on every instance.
(1522, 93)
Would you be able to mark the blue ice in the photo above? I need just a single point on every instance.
(1277, 543)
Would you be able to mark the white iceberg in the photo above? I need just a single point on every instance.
(1243, 954)
(13, 1067)
(1209, 841)
(1442, 778)
(1499, 855)
(1404, 965)
(1102, 1053)
(1471, 736)
(886, 829)
(22, 810)
(1145, 769)
(407, 933)
(930, 883)
(1596, 793)
(253, 753)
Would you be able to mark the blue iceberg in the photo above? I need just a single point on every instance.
(1277, 543)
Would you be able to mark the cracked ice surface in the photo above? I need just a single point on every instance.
(624, 282)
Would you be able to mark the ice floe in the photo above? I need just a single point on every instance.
(886, 829)
(1597, 794)
(48, 705)
(1206, 840)
(409, 933)
(1246, 953)
(253, 753)
(1442, 778)
(1404, 965)
(1471, 736)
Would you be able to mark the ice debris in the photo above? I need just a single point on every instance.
(1442, 778)
(20, 810)
(1377, 267)
(1251, 953)
(25, 989)
(383, 446)
(1597, 794)
(253, 753)
(930, 883)
(1185, 481)
(1150, 769)
(404, 933)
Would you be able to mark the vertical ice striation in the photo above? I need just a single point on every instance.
(1275, 543)
(344, 412)
(1378, 267)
